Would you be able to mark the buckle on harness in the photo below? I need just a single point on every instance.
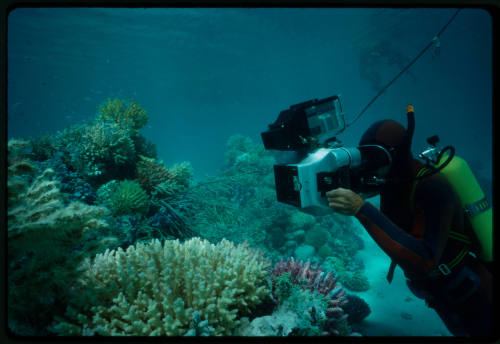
(478, 207)
(444, 269)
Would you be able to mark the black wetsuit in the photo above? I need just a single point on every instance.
(418, 241)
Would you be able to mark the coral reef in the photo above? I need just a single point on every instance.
(156, 289)
(327, 315)
(124, 197)
(104, 191)
(242, 154)
(301, 313)
(356, 281)
(105, 148)
(127, 114)
(47, 240)
(282, 322)
(151, 173)
(164, 185)
(71, 183)
(356, 308)
(182, 173)
(350, 274)
(100, 152)
(20, 170)
(144, 147)
(168, 220)
(240, 202)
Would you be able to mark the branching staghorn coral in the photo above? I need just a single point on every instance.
(162, 288)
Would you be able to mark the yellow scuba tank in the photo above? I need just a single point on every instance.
(474, 202)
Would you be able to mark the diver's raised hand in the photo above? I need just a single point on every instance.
(344, 201)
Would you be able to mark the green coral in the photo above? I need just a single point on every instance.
(317, 236)
(47, 241)
(301, 312)
(354, 280)
(127, 114)
(182, 173)
(19, 169)
(99, 152)
(301, 220)
(283, 286)
(124, 197)
(157, 289)
(243, 155)
(106, 147)
(240, 202)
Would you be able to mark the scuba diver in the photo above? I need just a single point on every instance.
(422, 227)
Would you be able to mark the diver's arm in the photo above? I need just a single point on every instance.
(432, 221)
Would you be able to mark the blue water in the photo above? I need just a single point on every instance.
(205, 74)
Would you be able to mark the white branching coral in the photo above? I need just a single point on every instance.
(160, 289)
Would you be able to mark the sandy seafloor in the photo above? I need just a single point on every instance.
(395, 311)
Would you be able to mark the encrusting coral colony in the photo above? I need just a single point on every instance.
(104, 239)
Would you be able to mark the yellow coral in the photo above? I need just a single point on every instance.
(154, 289)
(126, 113)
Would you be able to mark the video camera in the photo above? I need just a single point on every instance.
(310, 129)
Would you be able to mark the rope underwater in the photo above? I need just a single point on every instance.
(433, 42)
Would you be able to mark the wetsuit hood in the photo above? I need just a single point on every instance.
(395, 138)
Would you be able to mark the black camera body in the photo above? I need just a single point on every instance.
(310, 129)
(305, 124)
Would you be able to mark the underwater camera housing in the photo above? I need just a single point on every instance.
(309, 129)
(305, 125)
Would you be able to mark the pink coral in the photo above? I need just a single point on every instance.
(316, 280)
(311, 278)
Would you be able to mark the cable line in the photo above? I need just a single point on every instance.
(434, 40)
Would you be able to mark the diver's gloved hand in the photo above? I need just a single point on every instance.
(344, 201)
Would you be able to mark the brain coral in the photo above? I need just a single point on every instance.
(156, 289)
